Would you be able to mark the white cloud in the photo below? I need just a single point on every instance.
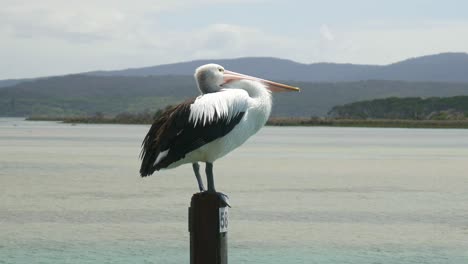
(76, 19)
(326, 33)
(388, 44)
(223, 40)
(88, 19)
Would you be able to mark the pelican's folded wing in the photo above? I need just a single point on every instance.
(190, 125)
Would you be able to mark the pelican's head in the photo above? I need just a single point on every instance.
(210, 78)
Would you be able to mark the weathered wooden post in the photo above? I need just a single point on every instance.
(208, 222)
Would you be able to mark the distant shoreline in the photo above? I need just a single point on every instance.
(284, 121)
(390, 123)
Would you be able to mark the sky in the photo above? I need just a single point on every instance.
(53, 37)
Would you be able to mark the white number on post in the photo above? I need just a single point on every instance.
(223, 219)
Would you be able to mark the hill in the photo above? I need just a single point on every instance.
(444, 67)
(83, 95)
(415, 108)
(11, 82)
(110, 95)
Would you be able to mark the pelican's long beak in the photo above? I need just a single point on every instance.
(230, 76)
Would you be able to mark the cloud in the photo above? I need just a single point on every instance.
(390, 42)
(225, 40)
(326, 33)
(88, 20)
(61, 20)
(211, 42)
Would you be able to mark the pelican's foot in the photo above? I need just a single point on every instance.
(224, 198)
(221, 195)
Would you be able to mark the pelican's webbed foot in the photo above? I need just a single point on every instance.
(224, 198)
(211, 186)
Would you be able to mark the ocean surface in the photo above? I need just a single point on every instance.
(72, 194)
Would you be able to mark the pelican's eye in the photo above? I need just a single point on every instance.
(220, 69)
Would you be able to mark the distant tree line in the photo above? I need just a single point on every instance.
(148, 117)
(414, 108)
(144, 117)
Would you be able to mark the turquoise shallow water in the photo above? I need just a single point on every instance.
(71, 194)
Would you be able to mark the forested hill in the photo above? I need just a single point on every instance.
(84, 95)
(451, 108)
(110, 95)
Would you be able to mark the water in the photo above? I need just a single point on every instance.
(72, 194)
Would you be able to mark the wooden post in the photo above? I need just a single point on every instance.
(208, 221)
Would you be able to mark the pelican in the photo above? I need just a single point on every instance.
(231, 108)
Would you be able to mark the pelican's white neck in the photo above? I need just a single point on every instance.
(255, 90)
(261, 99)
